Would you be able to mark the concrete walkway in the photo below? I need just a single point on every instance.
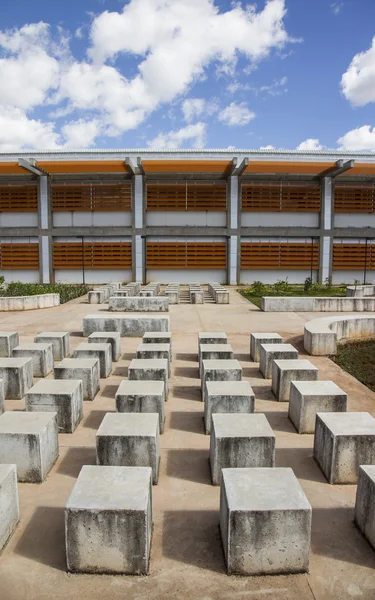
(186, 557)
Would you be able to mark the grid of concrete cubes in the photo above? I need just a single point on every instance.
(17, 376)
(30, 441)
(85, 369)
(110, 499)
(60, 341)
(8, 341)
(227, 397)
(149, 369)
(64, 397)
(103, 352)
(365, 502)
(142, 397)
(271, 352)
(41, 355)
(286, 371)
(310, 397)
(219, 370)
(256, 339)
(107, 337)
(9, 505)
(240, 441)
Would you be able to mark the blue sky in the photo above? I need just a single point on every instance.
(187, 73)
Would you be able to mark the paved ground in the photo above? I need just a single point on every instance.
(186, 556)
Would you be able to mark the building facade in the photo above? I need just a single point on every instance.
(215, 215)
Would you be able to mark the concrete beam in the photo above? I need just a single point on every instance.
(231, 168)
(242, 167)
(339, 168)
(133, 168)
(31, 166)
(140, 166)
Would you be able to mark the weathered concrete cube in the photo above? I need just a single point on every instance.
(60, 341)
(85, 369)
(9, 506)
(30, 441)
(197, 296)
(239, 441)
(155, 351)
(142, 397)
(103, 500)
(286, 371)
(107, 337)
(41, 355)
(219, 370)
(103, 352)
(17, 376)
(2, 397)
(129, 440)
(215, 352)
(256, 339)
(138, 304)
(211, 337)
(155, 337)
(365, 502)
(271, 352)
(309, 397)
(8, 341)
(129, 325)
(150, 369)
(265, 522)
(227, 397)
(64, 397)
(342, 442)
(97, 297)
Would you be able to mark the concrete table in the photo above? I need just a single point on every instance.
(103, 500)
(286, 371)
(129, 440)
(107, 337)
(142, 397)
(342, 442)
(103, 352)
(85, 369)
(215, 352)
(256, 339)
(30, 441)
(128, 325)
(227, 397)
(8, 341)
(271, 352)
(9, 505)
(239, 441)
(64, 397)
(365, 502)
(309, 397)
(219, 370)
(41, 355)
(149, 369)
(17, 376)
(265, 522)
(158, 337)
(60, 341)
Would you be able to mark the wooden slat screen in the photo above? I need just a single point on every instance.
(18, 198)
(97, 255)
(280, 197)
(352, 257)
(21, 257)
(279, 255)
(354, 198)
(91, 197)
(186, 255)
(187, 196)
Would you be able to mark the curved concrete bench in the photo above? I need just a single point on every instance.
(360, 291)
(321, 335)
(8, 303)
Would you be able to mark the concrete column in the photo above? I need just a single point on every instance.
(137, 242)
(233, 224)
(45, 240)
(326, 223)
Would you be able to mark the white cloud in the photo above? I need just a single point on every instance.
(190, 136)
(193, 108)
(17, 131)
(269, 147)
(310, 144)
(81, 134)
(358, 82)
(236, 114)
(336, 7)
(362, 138)
(276, 88)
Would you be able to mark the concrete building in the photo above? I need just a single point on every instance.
(187, 215)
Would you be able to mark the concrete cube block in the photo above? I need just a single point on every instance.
(17, 376)
(8, 341)
(158, 337)
(239, 441)
(9, 505)
(60, 341)
(138, 304)
(342, 442)
(155, 351)
(215, 352)
(107, 337)
(129, 440)
(271, 352)
(64, 397)
(309, 397)
(103, 500)
(256, 339)
(103, 352)
(365, 502)
(142, 397)
(149, 369)
(197, 296)
(85, 369)
(265, 522)
(2, 397)
(30, 441)
(96, 296)
(227, 397)
(286, 371)
(128, 325)
(41, 355)
(219, 370)
(211, 337)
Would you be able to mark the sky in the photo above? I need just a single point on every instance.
(290, 74)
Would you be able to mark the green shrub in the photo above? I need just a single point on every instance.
(258, 288)
(67, 291)
(281, 286)
(307, 285)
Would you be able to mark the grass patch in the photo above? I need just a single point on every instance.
(255, 292)
(67, 291)
(357, 357)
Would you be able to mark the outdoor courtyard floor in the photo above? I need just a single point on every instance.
(186, 556)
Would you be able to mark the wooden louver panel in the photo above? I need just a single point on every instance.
(280, 197)
(351, 257)
(354, 198)
(283, 255)
(187, 196)
(20, 257)
(186, 255)
(91, 197)
(18, 198)
(97, 255)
